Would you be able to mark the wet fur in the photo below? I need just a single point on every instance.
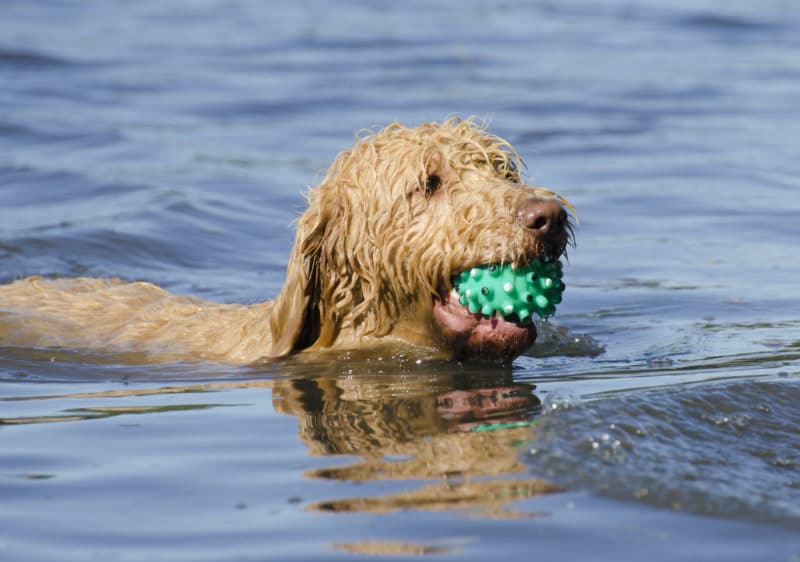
(371, 253)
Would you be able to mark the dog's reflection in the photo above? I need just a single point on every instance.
(456, 430)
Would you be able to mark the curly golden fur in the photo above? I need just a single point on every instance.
(395, 217)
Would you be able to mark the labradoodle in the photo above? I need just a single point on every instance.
(394, 219)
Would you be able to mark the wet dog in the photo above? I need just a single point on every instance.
(395, 218)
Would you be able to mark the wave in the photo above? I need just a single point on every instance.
(727, 449)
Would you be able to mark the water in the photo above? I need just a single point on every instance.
(171, 142)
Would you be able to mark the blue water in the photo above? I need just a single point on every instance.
(171, 142)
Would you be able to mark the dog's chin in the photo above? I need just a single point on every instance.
(472, 336)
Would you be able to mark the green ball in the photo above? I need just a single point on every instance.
(522, 291)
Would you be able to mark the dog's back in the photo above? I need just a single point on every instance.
(115, 316)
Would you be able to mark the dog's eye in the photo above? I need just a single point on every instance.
(432, 184)
(507, 169)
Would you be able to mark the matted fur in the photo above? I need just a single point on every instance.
(372, 252)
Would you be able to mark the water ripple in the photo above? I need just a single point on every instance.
(727, 449)
(29, 60)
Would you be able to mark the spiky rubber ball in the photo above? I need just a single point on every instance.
(522, 291)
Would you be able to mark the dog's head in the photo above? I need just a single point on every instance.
(396, 217)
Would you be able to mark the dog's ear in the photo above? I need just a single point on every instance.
(303, 313)
(295, 318)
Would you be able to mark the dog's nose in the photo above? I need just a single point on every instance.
(542, 217)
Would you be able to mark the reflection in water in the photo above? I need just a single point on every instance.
(398, 548)
(453, 429)
(94, 413)
(97, 412)
(460, 431)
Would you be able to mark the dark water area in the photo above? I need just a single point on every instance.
(657, 417)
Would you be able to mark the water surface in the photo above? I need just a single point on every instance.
(172, 142)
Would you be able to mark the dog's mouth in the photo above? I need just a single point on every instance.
(486, 312)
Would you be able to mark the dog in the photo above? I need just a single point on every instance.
(394, 219)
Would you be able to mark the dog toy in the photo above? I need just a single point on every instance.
(489, 426)
(536, 287)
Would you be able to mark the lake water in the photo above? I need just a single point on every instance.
(658, 417)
